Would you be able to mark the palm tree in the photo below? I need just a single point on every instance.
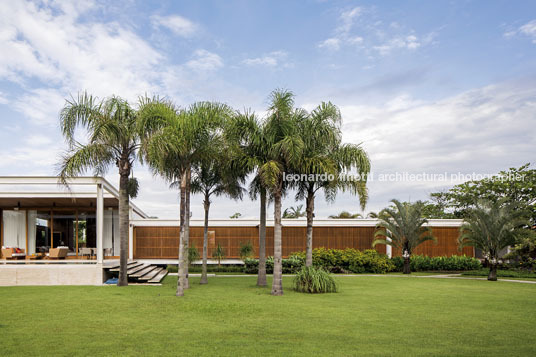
(294, 212)
(181, 142)
(251, 150)
(346, 215)
(115, 136)
(325, 155)
(213, 177)
(285, 148)
(492, 226)
(402, 226)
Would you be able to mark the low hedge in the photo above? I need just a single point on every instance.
(332, 260)
(425, 263)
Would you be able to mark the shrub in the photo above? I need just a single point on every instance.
(425, 263)
(246, 250)
(193, 255)
(314, 280)
(219, 253)
(350, 260)
(331, 260)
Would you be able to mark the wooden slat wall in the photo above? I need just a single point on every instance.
(446, 244)
(163, 242)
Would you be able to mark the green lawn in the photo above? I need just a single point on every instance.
(230, 316)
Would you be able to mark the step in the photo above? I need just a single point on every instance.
(142, 272)
(116, 265)
(158, 278)
(151, 274)
(129, 266)
(136, 269)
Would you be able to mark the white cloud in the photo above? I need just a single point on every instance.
(49, 44)
(179, 25)
(205, 61)
(271, 59)
(3, 99)
(528, 29)
(374, 35)
(41, 105)
(331, 44)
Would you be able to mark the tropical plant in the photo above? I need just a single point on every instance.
(193, 255)
(284, 151)
(115, 134)
(181, 141)
(402, 226)
(214, 177)
(235, 215)
(346, 215)
(294, 212)
(246, 250)
(314, 280)
(219, 253)
(251, 150)
(492, 226)
(324, 163)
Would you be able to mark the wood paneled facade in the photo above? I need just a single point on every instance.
(162, 242)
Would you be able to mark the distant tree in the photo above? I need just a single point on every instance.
(515, 185)
(402, 226)
(219, 254)
(492, 226)
(346, 215)
(294, 212)
(236, 215)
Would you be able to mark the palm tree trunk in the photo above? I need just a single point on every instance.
(123, 227)
(182, 255)
(187, 227)
(204, 279)
(310, 203)
(407, 267)
(277, 284)
(492, 272)
(261, 275)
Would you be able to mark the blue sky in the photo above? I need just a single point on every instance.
(426, 86)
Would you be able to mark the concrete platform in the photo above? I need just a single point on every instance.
(51, 274)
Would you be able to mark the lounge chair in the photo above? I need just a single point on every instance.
(13, 253)
(57, 253)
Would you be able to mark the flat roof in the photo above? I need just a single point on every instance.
(41, 195)
(300, 222)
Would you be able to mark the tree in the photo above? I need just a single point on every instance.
(346, 215)
(213, 177)
(115, 135)
(516, 185)
(235, 215)
(219, 253)
(325, 160)
(492, 226)
(403, 226)
(251, 150)
(294, 212)
(180, 142)
(285, 148)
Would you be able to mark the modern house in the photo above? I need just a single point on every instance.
(57, 234)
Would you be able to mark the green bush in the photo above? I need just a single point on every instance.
(331, 260)
(246, 250)
(425, 263)
(314, 280)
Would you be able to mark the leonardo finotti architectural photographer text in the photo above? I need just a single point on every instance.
(404, 177)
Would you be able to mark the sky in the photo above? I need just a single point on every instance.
(426, 87)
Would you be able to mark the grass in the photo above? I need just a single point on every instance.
(231, 316)
(502, 274)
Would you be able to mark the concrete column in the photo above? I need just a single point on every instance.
(100, 224)
(389, 249)
(130, 235)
